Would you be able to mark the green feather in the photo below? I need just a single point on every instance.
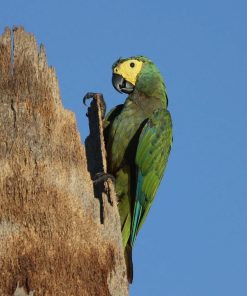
(151, 158)
(138, 137)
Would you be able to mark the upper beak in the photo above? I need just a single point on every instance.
(117, 81)
(122, 85)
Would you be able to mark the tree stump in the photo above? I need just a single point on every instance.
(56, 236)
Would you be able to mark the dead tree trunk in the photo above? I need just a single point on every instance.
(56, 237)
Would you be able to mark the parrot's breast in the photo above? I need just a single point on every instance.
(123, 130)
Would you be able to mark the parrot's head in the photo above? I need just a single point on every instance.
(135, 73)
(125, 73)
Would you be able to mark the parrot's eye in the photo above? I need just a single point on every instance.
(132, 65)
(115, 69)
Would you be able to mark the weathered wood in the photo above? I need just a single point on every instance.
(56, 236)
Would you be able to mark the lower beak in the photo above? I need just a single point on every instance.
(122, 85)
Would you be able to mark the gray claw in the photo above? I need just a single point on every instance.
(92, 95)
(102, 177)
(89, 95)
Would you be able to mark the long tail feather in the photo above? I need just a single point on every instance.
(129, 263)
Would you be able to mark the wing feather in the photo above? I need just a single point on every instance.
(151, 157)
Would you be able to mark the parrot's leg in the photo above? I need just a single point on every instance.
(102, 177)
(96, 96)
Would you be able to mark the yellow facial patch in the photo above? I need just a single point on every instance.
(129, 70)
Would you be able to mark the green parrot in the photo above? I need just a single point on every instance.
(138, 137)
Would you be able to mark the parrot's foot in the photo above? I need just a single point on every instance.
(96, 96)
(102, 177)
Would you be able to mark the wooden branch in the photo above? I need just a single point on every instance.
(58, 234)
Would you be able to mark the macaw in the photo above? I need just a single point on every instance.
(138, 138)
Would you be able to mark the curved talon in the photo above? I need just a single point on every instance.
(87, 96)
(102, 177)
(92, 95)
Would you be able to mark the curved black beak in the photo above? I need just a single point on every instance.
(122, 85)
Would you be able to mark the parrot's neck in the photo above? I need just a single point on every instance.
(145, 104)
(151, 87)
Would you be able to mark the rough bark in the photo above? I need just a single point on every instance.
(58, 234)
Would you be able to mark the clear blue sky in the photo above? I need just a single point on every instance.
(194, 241)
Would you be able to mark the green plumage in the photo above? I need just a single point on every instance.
(138, 138)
